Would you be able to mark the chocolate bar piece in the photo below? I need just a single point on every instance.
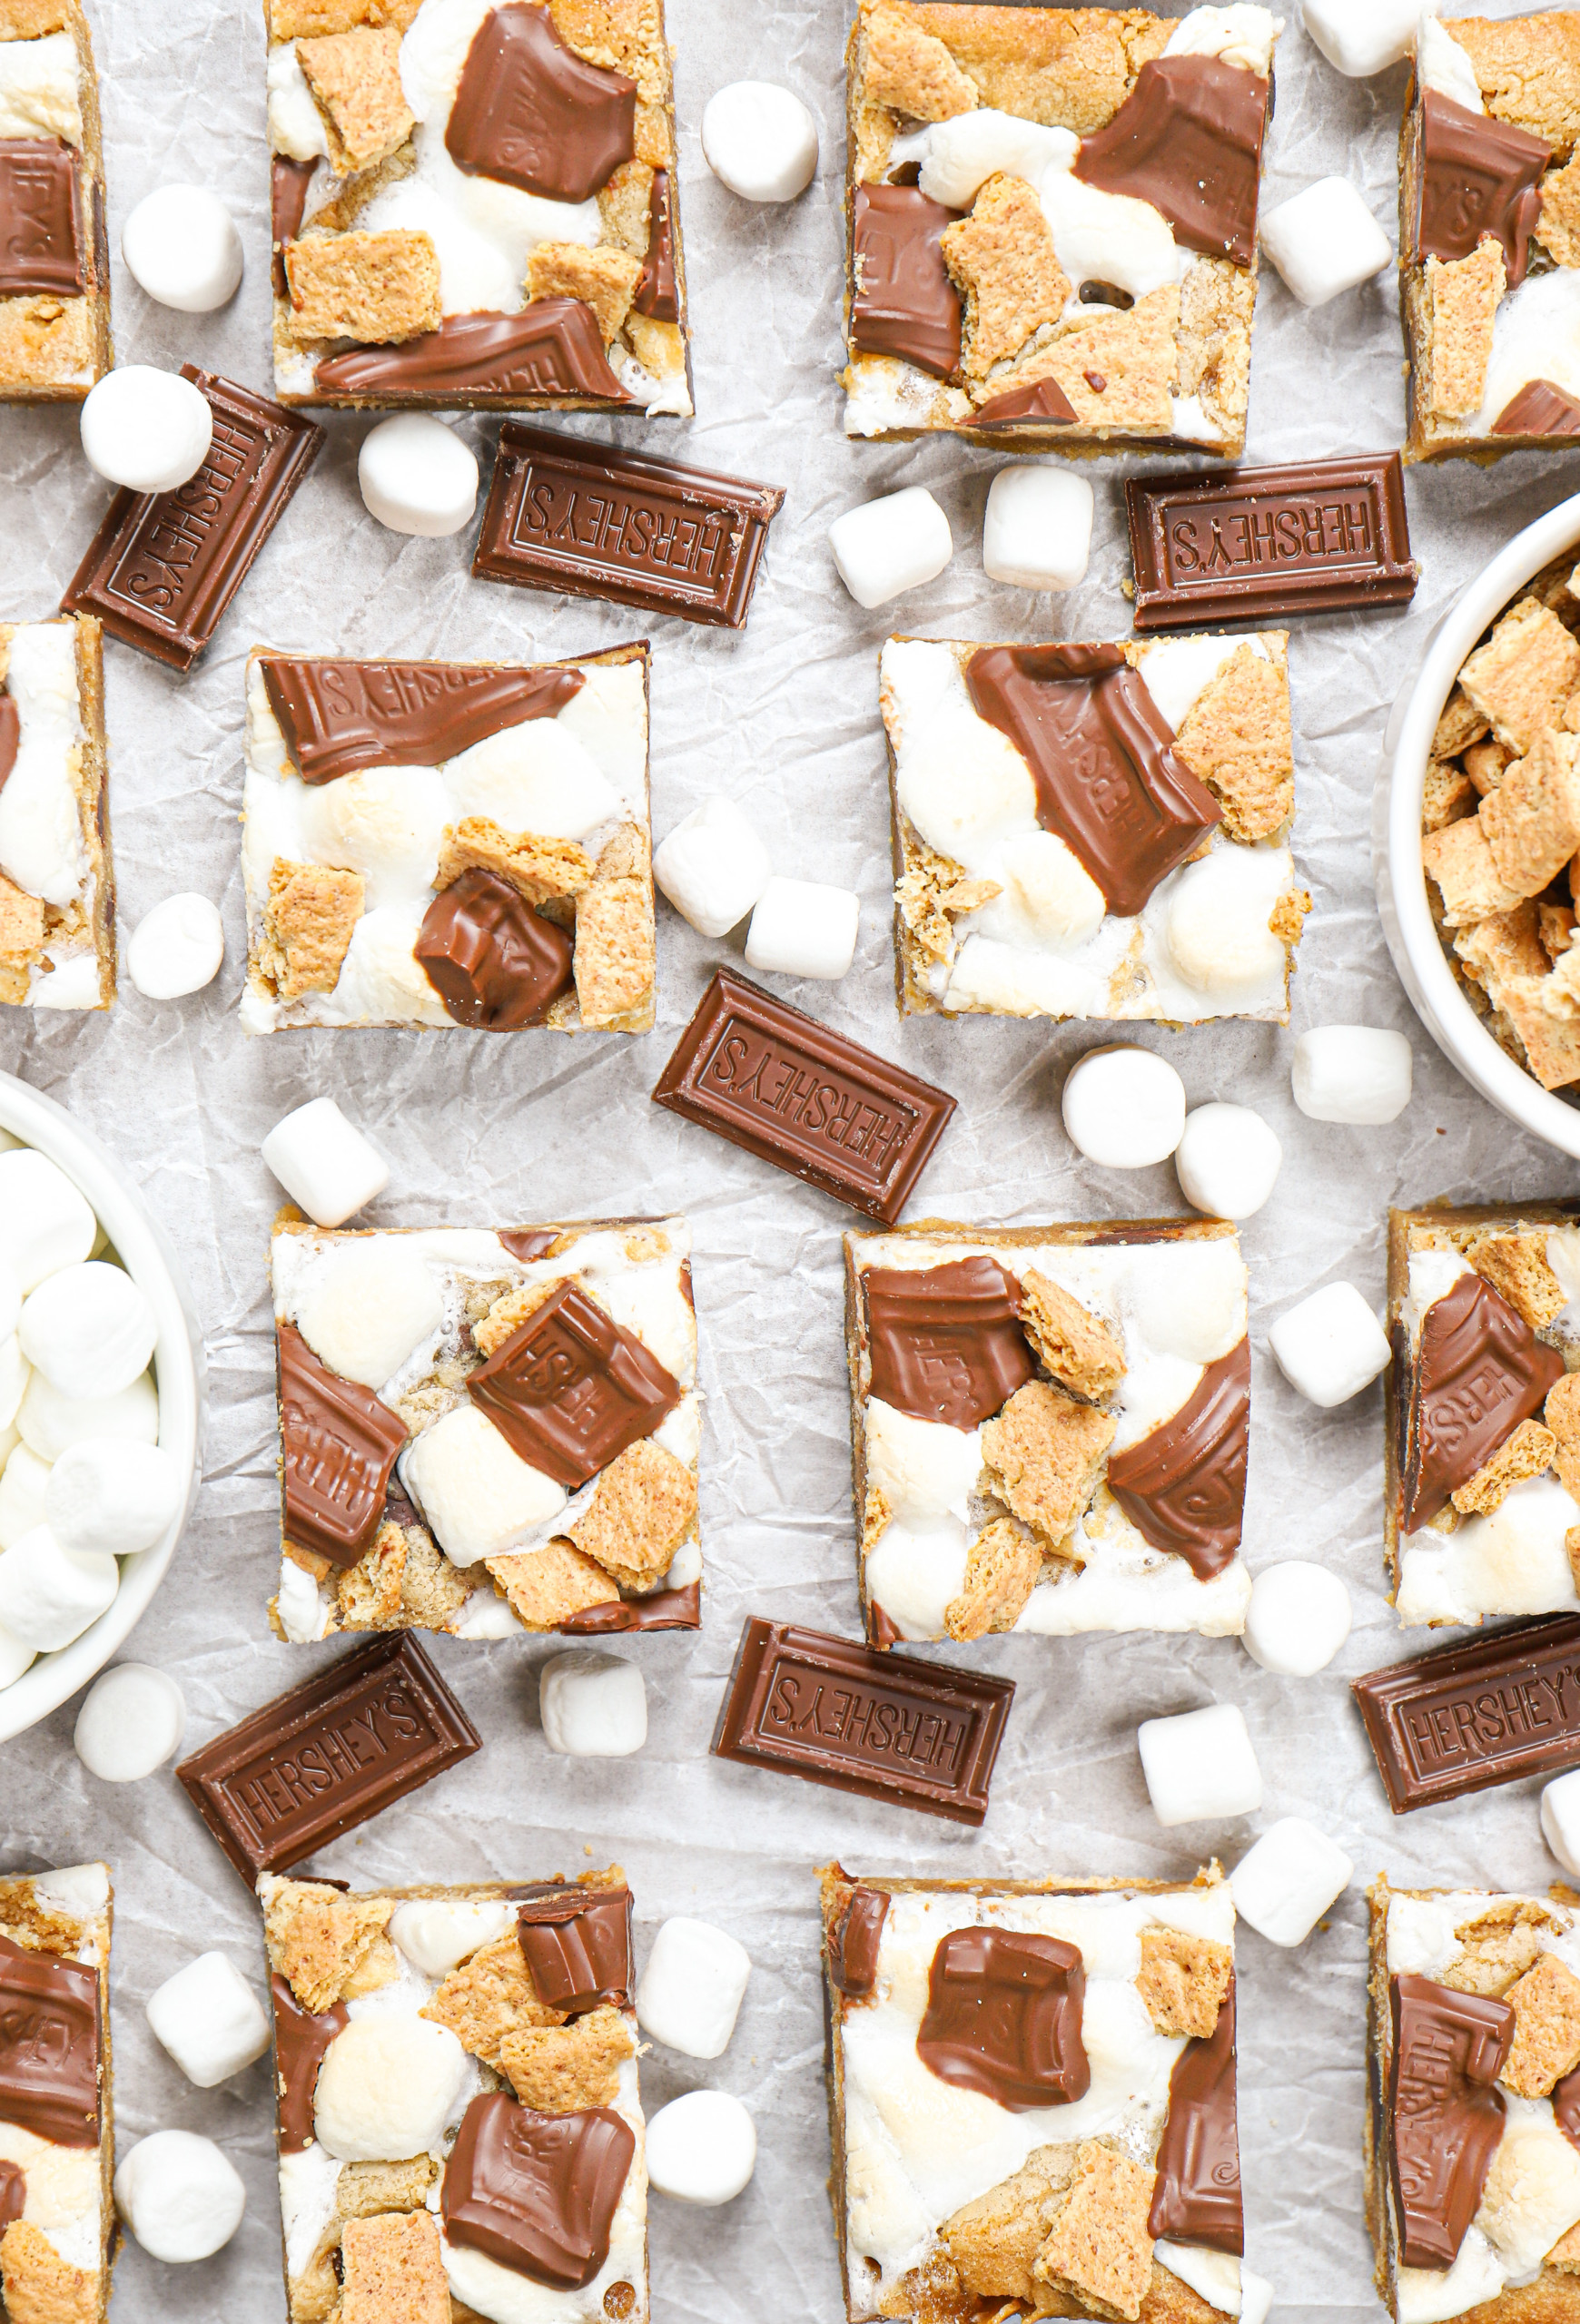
(590, 520)
(318, 1761)
(1468, 1716)
(1317, 537)
(164, 566)
(885, 1726)
(795, 1093)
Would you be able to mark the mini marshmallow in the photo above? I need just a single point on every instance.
(593, 1705)
(1299, 1618)
(16, 1656)
(15, 1372)
(176, 948)
(387, 2086)
(417, 476)
(713, 867)
(435, 1937)
(365, 1306)
(44, 1222)
(131, 1720)
(48, 1595)
(1285, 1884)
(210, 2020)
(323, 1164)
(1228, 1161)
(1351, 1073)
(1324, 241)
(1561, 1820)
(1199, 1766)
(1330, 1346)
(702, 2148)
(887, 546)
(147, 429)
(89, 1329)
(760, 140)
(1124, 1106)
(690, 1994)
(50, 1422)
(180, 2197)
(1362, 36)
(1036, 531)
(181, 246)
(10, 1310)
(23, 1484)
(108, 1493)
(802, 929)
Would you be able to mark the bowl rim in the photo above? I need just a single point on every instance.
(180, 1370)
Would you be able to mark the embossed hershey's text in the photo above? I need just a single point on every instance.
(1213, 539)
(870, 1725)
(771, 1089)
(1496, 1721)
(169, 555)
(275, 1787)
(623, 531)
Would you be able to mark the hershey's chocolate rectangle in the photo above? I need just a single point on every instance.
(886, 1726)
(1316, 536)
(597, 522)
(324, 1758)
(1468, 1717)
(796, 1093)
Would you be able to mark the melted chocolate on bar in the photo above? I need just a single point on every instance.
(1197, 2196)
(552, 347)
(39, 251)
(49, 2046)
(572, 1388)
(1477, 176)
(946, 1342)
(660, 1610)
(577, 1943)
(1188, 140)
(12, 2193)
(287, 184)
(300, 2038)
(340, 1444)
(528, 1243)
(1003, 2018)
(494, 962)
(1479, 1371)
(537, 2193)
(1044, 401)
(1539, 408)
(530, 113)
(10, 736)
(854, 1940)
(1444, 2117)
(339, 717)
(904, 304)
(1183, 1486)
(1566, 2105)
(657, 292)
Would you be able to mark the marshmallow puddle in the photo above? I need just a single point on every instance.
(56, 912)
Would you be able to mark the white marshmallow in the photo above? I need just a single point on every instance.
(1561, 1820)
(1329, 1346)
(131, 1720)
(386, 2087)
(480, 1498)
(1324, 241)
(16, 1656)
(889, 546)
(50, 1422)
(44, 1222)
(802, 929)
(323, 1164)
(1287, 1881)
(181, 245)
(89, 1329)
(1199, 1766)
(10, 1310)
(435, 1937)
(690, 1994)
(1444, 68)
(702, 2148)
(713, 867)
(365, 1306)
(1036, 531)
(176, 948)
(48, 1595)
(417, 476)
(593, 1705)
(760, 140)
(108, 1493)
(23, 1485)
(1299, 1618)
(1228, 1161)
(1124, 1108)
(1362, 36)
(147, 429)
(1351, 1073)
(210, 2020)
(179, 2195)
(15, 1372)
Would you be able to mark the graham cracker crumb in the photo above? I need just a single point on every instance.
(307, 19)
(604, 279)
(394, 2271)
(1500, 1945)
(1459, 724)
(1546, 2037)
(615, 945)
(1043, 1456)
(317, 1937)
(995, 2240)
(1503, 947)
(1003, 259)
(545, 1585)
(911, 72)
(1287, 919)
(544, 870)
(32, 19)
(489, 1998)
(307, 927)
(1236, 740)
(659, 347)
(365, 2189)
(1001, 1573)
(1183, 1981)
(1099, 2246)
(1070, 1342)
(37, 1928)
(1558, 228)
(1537, 1010)
(1461, 298)
(1522, 677)
(432, 1590)
(377, 288)
(1562, 1413)
(379, 1966)
(563, 2069)
(643, 1507)
(1487, 764)
(40, 2288)
(1460, 861)
(1532, 821)
(1528, 71)
(626, 208)
(876, 1518)
(370, 1594)
(46, 342)
(1556, 926)
(354, 78)
(1517, 1266)
(643, 1245)
(507, 1315)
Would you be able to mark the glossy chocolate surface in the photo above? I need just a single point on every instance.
(577, 1943)
(300, 2038)
(1188, 140)
(552, 347)
(49, 2046)
(287, 184)
(339, 717)
(39, 251)
(537, 2193)
(854, 1941)
(12, 2193)
(1044, 401)
(1197, 2196)
(10, 735)
(1183, 1486)
(657, 294)
(1444, 2117)
(1003, 2018)
(528, 1243)
(338, 1444)
(946, 1342)
(1464, 1717)
(571, 1388)
(904, 302)
(1478, 1371)
(529, 112)
(660, 1610)
(495, 963)
(1477, 176)
(1566, 2105)
(1538, 408)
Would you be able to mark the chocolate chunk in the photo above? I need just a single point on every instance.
(946, 1341)
(494, 962)
(904, 304)
(12, 2193)
(314, 1763)
(660, 1610)
(1003, 2018)
(1102, 755)
(287, 184)
(576, 1943)
(571, 1388)
(1566, 2105)
(920, 1735)
(300, 2038)
(39, 251)
(49, 2046)
(657, 292)
(339, 717)
(1538, 408)
(528, 1243)
(808, 1100)
(552, 347)
(1477, 176)
(537, 2193)
(1464, 1717)
(854, 1940)
(338, 1444)
(10, 736)
(1197, 2195)
(1044, 401)
(1183, 1486)
(530, 113)
(1444, 2117)
(1188, 140)
(1478, 1371)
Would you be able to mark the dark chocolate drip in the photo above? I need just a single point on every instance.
(1044, 401)
(1479, 1371)
(1479, 176)
(576, 1943)
(340, 716)
(40, 252)
(49, 2046)
(338, 1445)
(552, 347)
(300, 2038)
(10, 736)
(530, 113)
(854, 1941)
(1188, 140)
(883, 1629)
(287, 184)
(537, 2193)
(1003, 2018)
(1196, 2197)
(494, 962)
(946, 1342)
(657, 292)
(572, 1388)
(904, 304)
(1444, 2117)
(1538, 408)
(1183, 1486)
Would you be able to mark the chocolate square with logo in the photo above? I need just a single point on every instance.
(572, 1389)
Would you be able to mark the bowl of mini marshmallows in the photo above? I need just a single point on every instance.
(103, 1402)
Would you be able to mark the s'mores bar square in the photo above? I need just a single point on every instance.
(1048, 1428)
(448, 843)
(57, 882)
(54, 259)
(1094, 831)
(486, 1432)
(475, 206)
(1053, 223)
(1482, 1506)
(457, 2116)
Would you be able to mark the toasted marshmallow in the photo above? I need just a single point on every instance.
(435, 1936)
(386, 2087)
(480, 1498)
(365, 1306)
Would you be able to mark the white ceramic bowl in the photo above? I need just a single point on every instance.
(150, 1260)
(1401, 883)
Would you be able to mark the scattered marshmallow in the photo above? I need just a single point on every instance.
(107, 1493)
(887, 546)
(387, 2086)
(1288, 1880)
(702, 2148)
(1330, 1346)
(1199, 1766)
(176, 948)
(89, 1329)
(44, 1222)
(435, 1936)
(131, 1720)
(690, 1994)
(50, 1424)
(713, 867)
(802, 929)
(1299, 1618)
(1561, 1820)
(210, 2020)
(1036, 531)
(1362, 36)
(417, 476)
(49, 1596)
(23, 1484)
(179, 2195)
(323, 1164)
(1228, 1161)
(1324, 241)
(1351, 1073)
(147, 429)
(181, 246)
(593, 1705)
(1124, 1106)
(760, 140)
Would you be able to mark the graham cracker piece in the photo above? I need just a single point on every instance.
(1069, 66)
(1001, 1573)
(911, 72)
(643, 1507)
(1044, 1454)
(21, 923)
(1068, 1339)
(1507, 944)
(309, 19)
(1487, 764)
(659, 347)
(604, 279)
(1517, 1266)
(626, 208)
(1522, 677)
(432, 1590)
(1565, 2255)
(1460, 298)
(489, 1998)
(1003, 261)
(370, 1594)
(616, 944)
(1546, 2037)
(1459, 724)
(379, 289)
(36, 1927)
(354, 80)
(1500, 1944)
(46, 342)
(1099, 2246)
(545, 1585)
(1524, 1454)
(543, 870)
(379, 1966)
(33, 19)
(995, 2240)
(1117, 370)
(1538, 1011)
(394, 2271)
(622, 36)
(1528, 71)
(1236, 740)
(1183, 1980)
(1532, 821)
(1460, 861)
(308, 922)
(317, 1935)
(40, 2288)
(507, 1315)
(1212, 343)
(565, 2068)
(1287, 919)
(363, 2189)
(1556, 927)
(932, 890)
(1562, 1413)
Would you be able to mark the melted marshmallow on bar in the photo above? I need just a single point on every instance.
(40, 95)
(1441, 64)
(1536, 335)
(41, 840)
